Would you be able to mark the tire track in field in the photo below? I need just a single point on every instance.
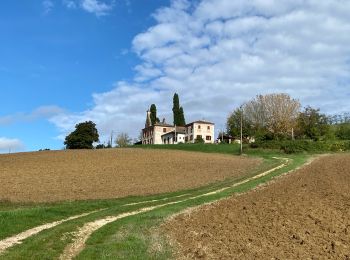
(149, 201)
(83, 233)
(18, 239)
(73, 249)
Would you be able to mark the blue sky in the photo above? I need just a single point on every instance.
(59, 57)
(67, 61)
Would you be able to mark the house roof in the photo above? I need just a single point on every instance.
(163, 124)
(179, 130)
(159, 124)
(200, 122)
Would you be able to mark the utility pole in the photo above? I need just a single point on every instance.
(222, 135)
(112, 139)
(241, 145)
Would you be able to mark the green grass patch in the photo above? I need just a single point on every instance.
(232, 149)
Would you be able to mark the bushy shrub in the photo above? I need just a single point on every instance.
(199, 140)
(343, 131)
(296, 146)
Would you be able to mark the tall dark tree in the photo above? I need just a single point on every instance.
(182, 117)
(176, 109)
(154, 118)
(179, 117)
(84, 135)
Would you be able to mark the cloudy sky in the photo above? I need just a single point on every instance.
(67, 61)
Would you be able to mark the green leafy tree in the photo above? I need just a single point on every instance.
(312, 124)
(123, 140)
(154, 118)
(83, 137)
(233, 124)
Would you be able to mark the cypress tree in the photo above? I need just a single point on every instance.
(178, 112)
(182, 117)
(154, 118)
(176, 109)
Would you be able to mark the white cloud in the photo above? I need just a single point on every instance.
(219, 53)
(96, 7)
(123, 117)
(70, 4)
(10, 145)
(38, 113)
(48, 6)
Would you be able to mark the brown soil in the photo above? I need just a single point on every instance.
(304, 215)
(77, 175)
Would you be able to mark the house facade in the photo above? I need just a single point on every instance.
(175, 136)
(163, 133)
(200, 130)
(152, 134)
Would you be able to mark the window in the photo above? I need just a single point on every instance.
(164, 130)
(186, 138)
(199, 137)
(199, 126)
(208, 128)
(208, 138)
(191, 137)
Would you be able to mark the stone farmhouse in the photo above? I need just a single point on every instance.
(163, 133)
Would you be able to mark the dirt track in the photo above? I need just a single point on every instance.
(77, 175)
(305, 215)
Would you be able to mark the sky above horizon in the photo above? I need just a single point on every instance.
(68, 61)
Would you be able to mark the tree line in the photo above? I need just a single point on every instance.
(280, 117)
(85, 135)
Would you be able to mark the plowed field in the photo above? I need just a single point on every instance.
(304, 215)
(98, 174)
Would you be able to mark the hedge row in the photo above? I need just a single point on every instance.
(296, 146)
